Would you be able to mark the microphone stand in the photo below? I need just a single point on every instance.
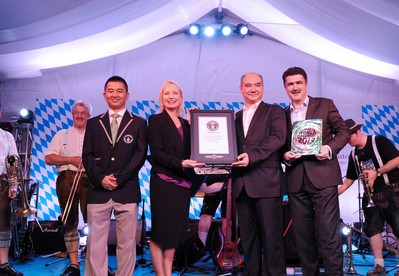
(143, 261)
(361, 239)
(358, 172)
(360, 206)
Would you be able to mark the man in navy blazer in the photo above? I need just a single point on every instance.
(313, 179)
(113, 167)
(257, 179)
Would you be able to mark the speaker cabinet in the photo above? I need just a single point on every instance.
(49, 241)
(192, 250)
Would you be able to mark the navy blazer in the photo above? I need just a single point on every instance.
(124, 160)
(265, 138)
(335, 134)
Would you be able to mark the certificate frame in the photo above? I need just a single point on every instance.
(213, 137)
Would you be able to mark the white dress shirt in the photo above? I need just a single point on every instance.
(66, 142)
(7, 146)
(247, 116)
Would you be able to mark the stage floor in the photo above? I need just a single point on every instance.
(49, 266)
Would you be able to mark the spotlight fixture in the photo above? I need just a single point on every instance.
(346, 230)
(194, 29)
(226, 29)
(242, 29)
(209, 31)
(25, 116)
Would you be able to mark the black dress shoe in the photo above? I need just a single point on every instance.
(9, 271)
(71, 271)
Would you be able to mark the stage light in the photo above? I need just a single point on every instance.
(194, 29)
(242, 29)
(209, 31)
(226, 29)
(85, 230)
(25, 116)
(346, 230)
(218, 29)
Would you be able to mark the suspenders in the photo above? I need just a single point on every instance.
(377, 155)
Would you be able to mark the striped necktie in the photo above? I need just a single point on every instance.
(114, 127)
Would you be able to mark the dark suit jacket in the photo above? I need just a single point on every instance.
(336, 135)
(265, 138)
(167, 149)
(124, 160)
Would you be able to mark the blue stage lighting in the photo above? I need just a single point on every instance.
(218, 29)
(209, 31)
(25, 116)
(242, 29)
(194, 29)
(346, 230)
(226, 29)
(24, 112)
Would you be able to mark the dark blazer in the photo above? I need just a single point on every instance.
(124, 160)
(336, 135)
(167, 149)
(265, 138)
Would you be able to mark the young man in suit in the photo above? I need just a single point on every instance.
(114, 150)
(257, 179)
(313, 179)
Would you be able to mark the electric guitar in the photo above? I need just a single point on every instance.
(228, 256)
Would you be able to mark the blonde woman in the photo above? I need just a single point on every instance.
(171, 174)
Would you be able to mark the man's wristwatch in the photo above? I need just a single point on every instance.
(378, 172)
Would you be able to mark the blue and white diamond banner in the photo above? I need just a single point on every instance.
(52, 115)
(383, 120)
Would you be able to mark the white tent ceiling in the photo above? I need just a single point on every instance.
(37, 35)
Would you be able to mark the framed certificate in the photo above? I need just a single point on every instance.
(213, 137)
(307, 137)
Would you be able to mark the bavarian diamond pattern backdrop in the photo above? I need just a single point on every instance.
(51, 115)
(383, 120)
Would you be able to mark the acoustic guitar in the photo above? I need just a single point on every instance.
(228, 256)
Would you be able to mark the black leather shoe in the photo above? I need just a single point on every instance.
(71, 271)
(9, 271)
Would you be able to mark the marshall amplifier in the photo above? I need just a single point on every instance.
(49, 241)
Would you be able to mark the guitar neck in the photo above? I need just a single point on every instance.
(229, 223)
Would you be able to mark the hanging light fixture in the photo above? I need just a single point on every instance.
(242, 29)
(210, 30)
